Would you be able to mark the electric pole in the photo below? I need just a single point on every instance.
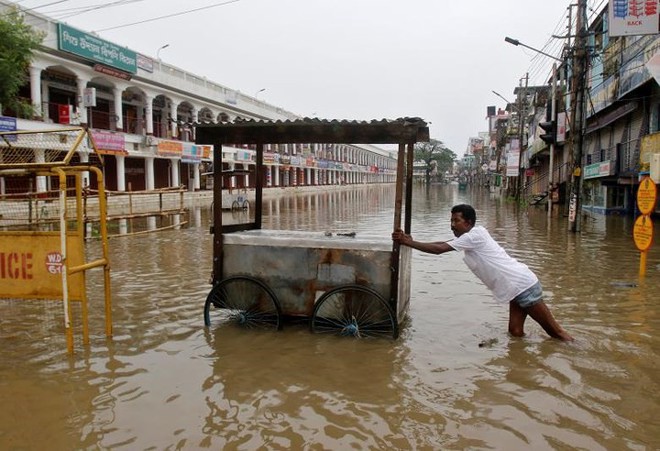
(553, 117)
(577, 115)
(522, 104)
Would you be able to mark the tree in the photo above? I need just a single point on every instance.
(18, 41)
(437, 158)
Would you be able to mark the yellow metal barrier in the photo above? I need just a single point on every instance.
(47, 261)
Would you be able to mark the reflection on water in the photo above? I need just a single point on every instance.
(165, 382)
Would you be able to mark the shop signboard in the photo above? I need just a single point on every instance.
(109, 143)
(170, 148)
(88, 46)
(191, 153)
(595, 170)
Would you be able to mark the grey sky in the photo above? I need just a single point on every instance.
(348, 59)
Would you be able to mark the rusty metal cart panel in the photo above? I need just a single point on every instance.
(348, 285)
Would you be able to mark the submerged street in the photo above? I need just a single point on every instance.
(454, 379)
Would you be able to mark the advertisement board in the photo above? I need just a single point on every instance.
(633, 17)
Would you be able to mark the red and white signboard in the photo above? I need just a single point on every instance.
(633, 17)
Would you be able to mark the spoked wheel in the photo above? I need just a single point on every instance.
(235, 206)
(246, 205)
(354, 311)
(244, 301)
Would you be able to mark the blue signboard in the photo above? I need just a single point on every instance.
(8, 124)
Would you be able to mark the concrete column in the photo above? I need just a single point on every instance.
(119, 108)
(276, 176)
(45, 100)
(174, 166)
(121, 172)
(191, 134)
(174, 124)
(196, 178)
(40, 157)
(84, 158)
(149, 114)
(82, 111)
(232, 180)
(150, 181)
(35, 89)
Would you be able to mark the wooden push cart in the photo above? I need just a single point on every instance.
(347, 285)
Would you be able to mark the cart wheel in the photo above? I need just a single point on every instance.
(356, 311)
(246, 205)
(235, 205)
(245, 301)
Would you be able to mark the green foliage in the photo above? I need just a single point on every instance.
(18, 41)
(437, 157)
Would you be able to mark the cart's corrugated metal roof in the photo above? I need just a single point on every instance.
(313, 130)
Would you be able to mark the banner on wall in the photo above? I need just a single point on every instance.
(170, 148)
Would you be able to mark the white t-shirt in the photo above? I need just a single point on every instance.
(505, 276)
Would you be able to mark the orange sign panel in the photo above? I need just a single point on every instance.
(31, 266)
(646, 196)
(643, 232)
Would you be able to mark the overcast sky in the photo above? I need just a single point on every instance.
(347, 59)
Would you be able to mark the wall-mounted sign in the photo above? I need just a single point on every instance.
(92, 48)
(63, 114)
(145, 63)
(7, 124)
(109, 143)
(170, 148)
(191, 153)
(112, 72)
(89, 97)
(602, 169)
(633, 17)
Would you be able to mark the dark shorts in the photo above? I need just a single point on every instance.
(529, 297)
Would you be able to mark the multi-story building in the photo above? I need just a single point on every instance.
(622, 128)
(142, 113)
(619, 137)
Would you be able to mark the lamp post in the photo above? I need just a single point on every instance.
(162, 47)
(502, 97)
(518, 43)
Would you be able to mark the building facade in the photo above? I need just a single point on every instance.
(142, 114)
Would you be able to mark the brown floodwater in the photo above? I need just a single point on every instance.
(166, 382)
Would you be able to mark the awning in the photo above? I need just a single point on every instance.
(607, 118)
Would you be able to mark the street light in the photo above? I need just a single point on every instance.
(159, 49)
(505, 99)
(517, 42)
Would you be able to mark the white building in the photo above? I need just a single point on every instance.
(142, 112)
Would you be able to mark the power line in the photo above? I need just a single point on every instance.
(169, 15)
(71, 12)
(48, 4)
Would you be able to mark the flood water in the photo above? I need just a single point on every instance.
(165, 382)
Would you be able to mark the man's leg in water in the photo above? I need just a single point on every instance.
(517, 316)
(542, 315)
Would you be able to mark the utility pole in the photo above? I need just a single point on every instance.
(521, 126)
(577, 115)
(553, 117)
